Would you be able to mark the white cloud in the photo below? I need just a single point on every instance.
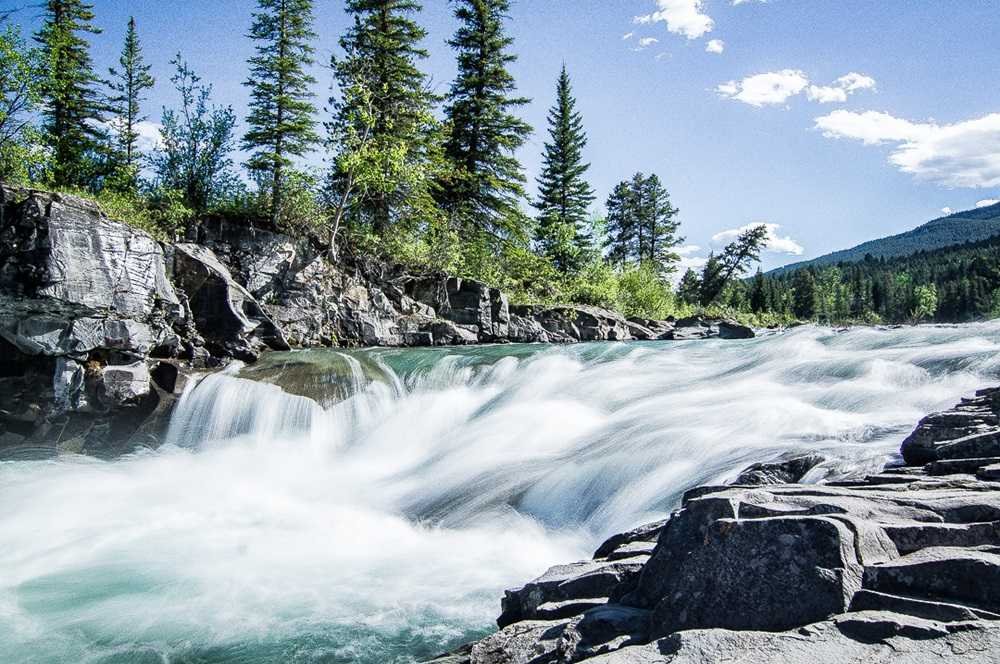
(963, 154)
(662, 56)
(846, 85)
(826, 94)
(687, 249)
(777, 87)
(648, 41)
(775, 243)
(683, 17)
(628, 35)
(743, 2)
(853, 81)
(771, 88)
(987, 202)
(149, 135)
(947, 210)
(715, 46)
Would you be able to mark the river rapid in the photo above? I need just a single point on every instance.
(371, 506)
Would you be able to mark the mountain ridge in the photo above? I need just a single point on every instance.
(954, 229)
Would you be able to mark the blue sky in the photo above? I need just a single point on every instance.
(836, 120)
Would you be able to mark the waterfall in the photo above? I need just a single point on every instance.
(371, 506)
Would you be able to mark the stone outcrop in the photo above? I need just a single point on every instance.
(90, 306)
(85, 302)
(900, 566)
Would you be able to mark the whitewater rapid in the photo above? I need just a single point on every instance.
(371, 506)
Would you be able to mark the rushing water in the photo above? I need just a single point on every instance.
(371, 506)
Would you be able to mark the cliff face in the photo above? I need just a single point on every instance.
(100, 323)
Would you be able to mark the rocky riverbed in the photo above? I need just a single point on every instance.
(903, 565)
(100, 324)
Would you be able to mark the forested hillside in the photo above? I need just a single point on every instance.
(960, 283)
(967, 226)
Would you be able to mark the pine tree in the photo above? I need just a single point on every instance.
(488, 183)
(658, 226)
(281, 119)
(129, 83)
(73, 108)
(622, 224)
(564, 193)
(804, 295)
(384, 98)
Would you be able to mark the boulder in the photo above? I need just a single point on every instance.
(732, 330)
(125, 384)
(224, 311)
(787, 469)
(577, 581)
(577, 322)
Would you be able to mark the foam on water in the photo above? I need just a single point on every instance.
(371, 506)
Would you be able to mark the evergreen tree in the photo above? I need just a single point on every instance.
(73, 108)
(758, 293)
(129, 83)
(281, 119)
(804, 295)
(487, 184)
(689, 288)
(383, 117)
(735, 259)
(564, 193)
(658, 226)
(622, 227)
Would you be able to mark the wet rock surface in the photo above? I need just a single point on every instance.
(901, 566)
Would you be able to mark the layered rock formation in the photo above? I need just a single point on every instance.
(99, 321)
(901, 566)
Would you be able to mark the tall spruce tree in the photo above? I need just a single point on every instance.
(385, 111)
(281, 119)
(642, 224)
(128, 84)
(564, 193)
(487, 186)
(73, 110)
(658, 225)
(622, 227)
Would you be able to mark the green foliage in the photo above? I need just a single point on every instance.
(953, 284)
(129, 85)
(196, 144)
(564, 193)
(281, 110)
(73, 108)
(486, 184)
(967, 226)
(642, 224)
(643, 293)
(804, 295)
(733, 262)
(383, 134)
(20, 84)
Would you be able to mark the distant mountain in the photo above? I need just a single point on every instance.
(958, 228)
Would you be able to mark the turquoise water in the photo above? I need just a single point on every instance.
(371, 506)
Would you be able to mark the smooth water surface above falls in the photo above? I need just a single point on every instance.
(371, 506)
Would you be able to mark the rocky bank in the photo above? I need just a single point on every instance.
(100, 324)
(901, 566)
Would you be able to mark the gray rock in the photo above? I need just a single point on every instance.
(125, 384)
(577, 581)
(950, 574)
(224, 311)
(577, 322)
(786, 469)
(732, 330)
